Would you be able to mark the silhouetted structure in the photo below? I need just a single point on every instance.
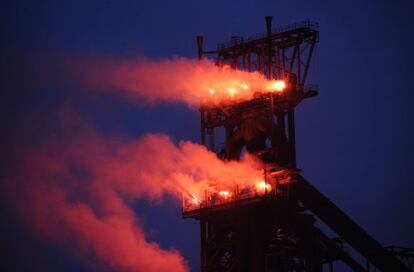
(275, 231)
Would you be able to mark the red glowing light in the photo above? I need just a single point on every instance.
(276, 86)
(262, 186)
(225, 194)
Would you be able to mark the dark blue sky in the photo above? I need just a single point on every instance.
(355, 141)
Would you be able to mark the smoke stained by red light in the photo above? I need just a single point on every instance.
(77, 188)
(172, 80)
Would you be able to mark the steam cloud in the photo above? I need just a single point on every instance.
(76, 189)
(169, 80)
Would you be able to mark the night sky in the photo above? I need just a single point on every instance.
(354, 141)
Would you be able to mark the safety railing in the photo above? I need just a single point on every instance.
(240, 40)
(217, 196)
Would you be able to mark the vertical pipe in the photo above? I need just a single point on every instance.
(200, 40)
(291, 114)
(270, 57)
(281, 114)
(292, 137)
(269, 45)
(279, 68)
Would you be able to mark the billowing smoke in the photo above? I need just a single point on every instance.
(171, 80)
(77, 188)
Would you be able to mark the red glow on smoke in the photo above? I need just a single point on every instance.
(174, 80)
(76, 189)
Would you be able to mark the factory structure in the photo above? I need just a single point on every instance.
(276, 224)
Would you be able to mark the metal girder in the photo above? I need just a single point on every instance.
(345, 227)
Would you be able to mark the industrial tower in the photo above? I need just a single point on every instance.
(275, 231)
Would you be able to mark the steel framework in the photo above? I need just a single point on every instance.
(283, 53)
(275, 231)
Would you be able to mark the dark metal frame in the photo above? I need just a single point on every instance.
(278, 54)
(277, 232)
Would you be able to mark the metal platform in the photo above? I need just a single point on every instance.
(271, 185)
